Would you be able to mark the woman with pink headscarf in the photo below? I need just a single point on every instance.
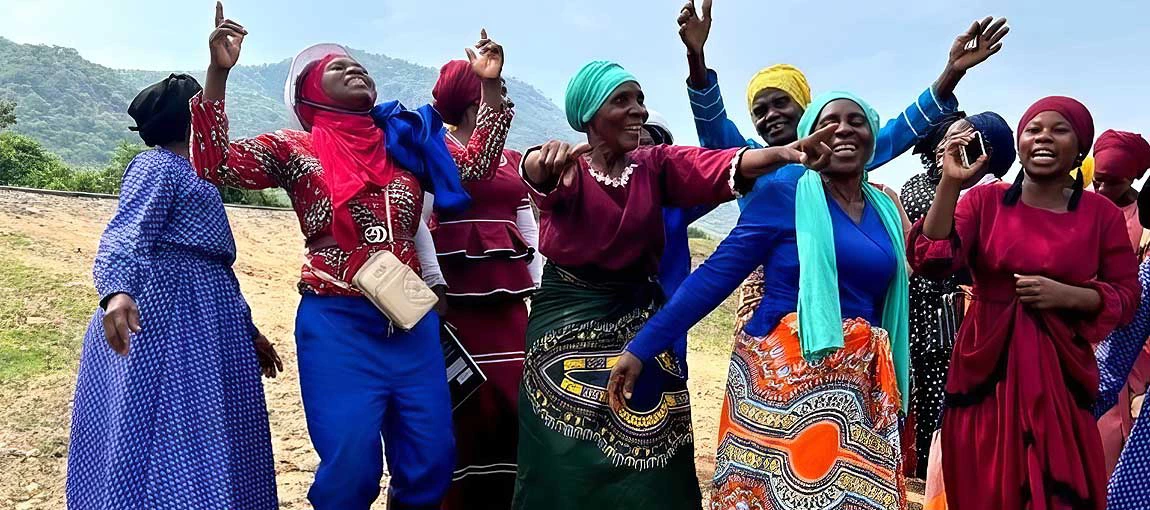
(356, 175)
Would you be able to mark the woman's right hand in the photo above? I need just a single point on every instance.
(814, 151)
(694, 30)
(555, 161)
(121, 320)
(952, 167)
(226, 41)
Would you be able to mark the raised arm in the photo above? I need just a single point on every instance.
(493, 121)
(715, 130)
(940, 243)
(250, 164)
(972, 47)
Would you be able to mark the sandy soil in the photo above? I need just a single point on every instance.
(34, 414)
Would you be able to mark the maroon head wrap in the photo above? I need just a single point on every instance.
(1075, 113)
(1121, 154)
(456, 90)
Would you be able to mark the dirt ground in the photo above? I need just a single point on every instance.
(35, 414)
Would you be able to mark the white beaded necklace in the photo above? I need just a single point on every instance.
(614, 182)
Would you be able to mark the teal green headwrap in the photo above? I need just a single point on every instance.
(590, 88)
(820, 312)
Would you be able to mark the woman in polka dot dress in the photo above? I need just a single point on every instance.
(169, 409)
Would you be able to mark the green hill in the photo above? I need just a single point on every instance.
(77, 109)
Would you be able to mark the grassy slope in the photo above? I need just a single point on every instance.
(42, 316)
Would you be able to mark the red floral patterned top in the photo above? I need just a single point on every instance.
(285, 159)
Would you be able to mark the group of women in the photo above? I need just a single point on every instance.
(845, 341)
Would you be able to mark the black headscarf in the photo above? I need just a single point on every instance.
(161, 111)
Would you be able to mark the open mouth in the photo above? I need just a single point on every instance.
(357, 81)
(776, 127)
(846, 149)
(633, 129)
(1043, 156)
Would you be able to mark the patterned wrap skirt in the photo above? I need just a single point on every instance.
(810, 435)
(575, 452)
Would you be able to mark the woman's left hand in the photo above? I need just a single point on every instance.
(270, 363)
(621, 382)
(978, 43)
(1042, 293)
(488, 63)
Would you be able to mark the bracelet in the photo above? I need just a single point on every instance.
(735, 163)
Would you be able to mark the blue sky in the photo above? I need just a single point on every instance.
(886, 51)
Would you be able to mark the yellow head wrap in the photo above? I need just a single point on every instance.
(786, 78)
(1087, 171)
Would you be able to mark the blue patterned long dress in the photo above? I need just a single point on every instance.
(180, 422)
(1127, 489)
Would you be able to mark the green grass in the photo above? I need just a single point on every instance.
(42, 315)
(715, 332)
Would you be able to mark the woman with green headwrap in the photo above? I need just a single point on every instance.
(602, 233)
(810, 418)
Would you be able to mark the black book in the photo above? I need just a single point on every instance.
(463, 375)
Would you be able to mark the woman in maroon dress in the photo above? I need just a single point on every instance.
(1053, 273)
(486, 255)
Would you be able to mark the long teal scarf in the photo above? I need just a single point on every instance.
(820, 311)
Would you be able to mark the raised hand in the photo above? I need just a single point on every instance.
(815, 150)
(693, 29)
(952, 167)
(121, 320)
(225, 41)
(978, 43)
(488, 63)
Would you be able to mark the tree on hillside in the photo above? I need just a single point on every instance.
(24, 162)
(7, 114)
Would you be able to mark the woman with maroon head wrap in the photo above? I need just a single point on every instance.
(487, 254)
(356, 176)
(1053, 273)
(1120, 158)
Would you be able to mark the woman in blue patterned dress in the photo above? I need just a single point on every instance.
(169, 410)
(1116, 355)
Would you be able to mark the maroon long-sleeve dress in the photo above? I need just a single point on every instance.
(1018, 431)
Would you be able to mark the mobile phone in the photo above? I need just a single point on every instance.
(973, 150)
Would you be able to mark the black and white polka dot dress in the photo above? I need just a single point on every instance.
(929, 357)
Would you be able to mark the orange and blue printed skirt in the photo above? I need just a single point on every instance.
(798, 434)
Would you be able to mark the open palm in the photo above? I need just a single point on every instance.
(982, 40)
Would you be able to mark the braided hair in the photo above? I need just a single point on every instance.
(1014, 193)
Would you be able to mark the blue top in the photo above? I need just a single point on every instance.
(765, 235)
(1118, 352)
(898, 135)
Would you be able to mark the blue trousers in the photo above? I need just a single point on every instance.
(360, 384)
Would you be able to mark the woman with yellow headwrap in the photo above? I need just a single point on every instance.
(602, 233)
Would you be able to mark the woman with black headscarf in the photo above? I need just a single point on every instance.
(929, 354)
(169, 409)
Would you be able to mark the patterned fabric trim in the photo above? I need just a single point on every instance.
(564, 379)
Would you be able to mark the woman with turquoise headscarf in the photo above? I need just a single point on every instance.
(817, 375)
(602, 233)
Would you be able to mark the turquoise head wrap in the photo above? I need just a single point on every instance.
(820, 311)
(590, 88)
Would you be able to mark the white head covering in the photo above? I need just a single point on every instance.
(655, 119)
(298, 64)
